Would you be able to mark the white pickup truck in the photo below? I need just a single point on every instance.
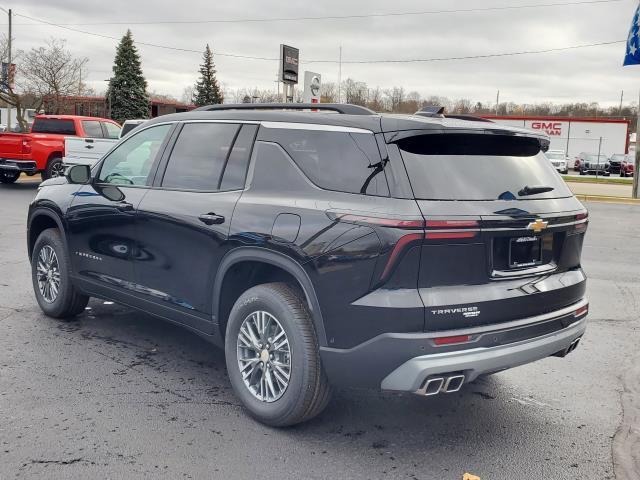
(87, 151)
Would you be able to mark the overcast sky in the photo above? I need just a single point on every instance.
(590, 74)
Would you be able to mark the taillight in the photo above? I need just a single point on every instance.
(397, 249)
(26, 145)
(451, 229)
(581, 311)
(582, 220)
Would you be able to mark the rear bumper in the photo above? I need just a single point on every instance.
(403, 361)
(26, 166)
(474, 362)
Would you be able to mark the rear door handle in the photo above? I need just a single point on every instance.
(211, 218)
(88, 146)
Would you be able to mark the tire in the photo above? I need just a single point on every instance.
(68, 301)
(622, 174)
(7, 177)
(308, 391)
(54, 168)
(581, 172)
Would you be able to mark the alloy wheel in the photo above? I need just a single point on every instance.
(48, 272)
(57, 170)
(264, 356)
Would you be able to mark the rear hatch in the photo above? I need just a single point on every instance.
(503, 232)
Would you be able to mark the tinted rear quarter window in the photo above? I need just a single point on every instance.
(335, 160)
(199, 156)
(57, 126)
(478, 167)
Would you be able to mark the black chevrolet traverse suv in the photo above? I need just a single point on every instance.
(325, 248)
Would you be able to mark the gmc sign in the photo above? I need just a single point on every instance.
(553, 129)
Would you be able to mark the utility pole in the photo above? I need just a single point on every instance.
(340, 76)
(9, 73)
(497, 101)
(621, 99)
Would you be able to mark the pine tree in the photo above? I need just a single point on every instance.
(127, 92)
(207, 90)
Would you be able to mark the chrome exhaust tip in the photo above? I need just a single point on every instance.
(453, 383)
(432, 386)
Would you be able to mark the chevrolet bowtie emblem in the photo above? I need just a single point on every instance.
(538, 225)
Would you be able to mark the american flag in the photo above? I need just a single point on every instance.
(632, 56)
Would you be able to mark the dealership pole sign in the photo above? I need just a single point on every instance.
(289, 60)
(312, 83)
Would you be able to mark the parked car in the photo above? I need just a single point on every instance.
(559, 160)
(42, 150)
(593, 163)
(624, 164)
(324, 250)
(87, 151)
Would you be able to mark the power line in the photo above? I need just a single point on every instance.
(412, 60)
(471, 57)
(167, 47)
(345, 17)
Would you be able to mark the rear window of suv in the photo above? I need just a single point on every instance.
(478, 167)
(57, 126)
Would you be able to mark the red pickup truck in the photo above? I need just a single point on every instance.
(41, 151)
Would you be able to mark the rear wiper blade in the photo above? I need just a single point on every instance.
(534, 190)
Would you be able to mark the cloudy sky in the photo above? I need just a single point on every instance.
(589, 74)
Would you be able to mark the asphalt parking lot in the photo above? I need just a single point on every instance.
(120, 394)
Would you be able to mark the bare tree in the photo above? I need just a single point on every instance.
(355, 92)
(9, 94)
(394, 98)
(463, 106)
(52, 73)
(375, 101)
(328, 92)
(187, 94)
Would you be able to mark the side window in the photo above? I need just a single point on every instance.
(92, 129)
(111, 130)
(341, 161)
(131, 162)
(199, 156)
(235, 171)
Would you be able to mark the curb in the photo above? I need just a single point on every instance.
(608, 199)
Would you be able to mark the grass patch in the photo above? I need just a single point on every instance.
(604, 180)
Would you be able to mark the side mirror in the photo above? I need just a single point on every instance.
(78, 174)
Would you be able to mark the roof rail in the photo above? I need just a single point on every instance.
(343, 108)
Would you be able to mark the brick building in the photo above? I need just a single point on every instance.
(95, 106)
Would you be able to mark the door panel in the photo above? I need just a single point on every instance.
(182, 238)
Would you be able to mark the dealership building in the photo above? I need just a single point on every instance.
(574, 134)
